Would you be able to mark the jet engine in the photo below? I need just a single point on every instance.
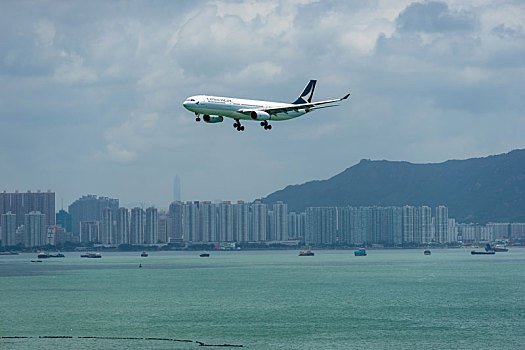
(212, 119)
(260, 115)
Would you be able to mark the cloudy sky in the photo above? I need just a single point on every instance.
(91, 92)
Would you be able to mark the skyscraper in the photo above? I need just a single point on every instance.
(241, 221)
(174, 221)
(151, 228)
(107, 234)
(190, 220)
(8, 229)
(23, 203)
(226, 222)
(35, 229)
(259, 222)
(441, 224)
(280, 221)
(89, 208)
(321, 225)
(207, 222)
(123, 226)
(136, 230)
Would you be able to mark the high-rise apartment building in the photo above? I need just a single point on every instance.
(190, 220)
(321, 225)
(35, 226)
(241, 222)
(225, 216)
(174, 221)
(89, 232)
(89, 208)
(8, 229)
(441, 224)
(123, 226)
(151, 228)
(280, 221)
(207, 227)
(107, 231)
(20, 203)
(136, 230)
(259, 222)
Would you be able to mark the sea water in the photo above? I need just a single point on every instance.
(390, 299)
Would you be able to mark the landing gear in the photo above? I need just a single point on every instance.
(197, 117)
(266, 126)
(238, 125)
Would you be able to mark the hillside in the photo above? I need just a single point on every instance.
(475, 190)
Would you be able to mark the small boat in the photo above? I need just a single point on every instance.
(144, 255)
(91, 255)
(360, 252)
(307, 253)
(204, 255)
(499, 248)
(490, 252)
(140, 265)
(36, 260)
(427, 252)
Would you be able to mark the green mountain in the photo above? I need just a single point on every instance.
(475, 190)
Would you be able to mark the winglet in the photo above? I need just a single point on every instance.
(344, 98)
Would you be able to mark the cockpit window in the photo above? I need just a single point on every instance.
(192, 100)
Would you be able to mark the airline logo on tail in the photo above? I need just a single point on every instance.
(308, 93)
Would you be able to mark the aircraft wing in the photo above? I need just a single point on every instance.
(292, 107)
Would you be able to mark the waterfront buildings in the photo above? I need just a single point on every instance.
(22, 203)
(8, 229)
(89, 208)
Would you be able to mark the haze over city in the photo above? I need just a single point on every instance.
(91, 92)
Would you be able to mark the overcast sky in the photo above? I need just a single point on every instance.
(91, 92)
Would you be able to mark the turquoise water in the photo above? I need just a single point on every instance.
(390, 299)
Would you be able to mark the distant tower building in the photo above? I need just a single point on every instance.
(35, 229)
(151, 228)
(207, 223)
(89, 232)
(409, 213)
(259, 222)
(241, 222)
(8, 228)
(280, 219)
(174, 221)
(321, 225)
(123, 226)
(63, 219)
(89, 208)
(20, 204)
(163, 227)
(441, 224)
(190, 220)
(136, 230)
(226, 222)
(106, 227)
(176, 189)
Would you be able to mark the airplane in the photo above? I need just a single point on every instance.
(213, 109)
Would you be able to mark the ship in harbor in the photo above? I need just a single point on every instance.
(307, 253)
(498, 248)
(360, 252)
(91, 255)
(427, 252)
(48, 255)
(204, 255)
(490, 252)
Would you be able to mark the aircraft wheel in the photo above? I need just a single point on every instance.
(269, 127)
(242, 128)
(235, 125)
(263, 124)
(197, 119)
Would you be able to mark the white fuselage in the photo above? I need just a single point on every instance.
(230, 107)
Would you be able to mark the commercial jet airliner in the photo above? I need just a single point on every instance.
(213, 109)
